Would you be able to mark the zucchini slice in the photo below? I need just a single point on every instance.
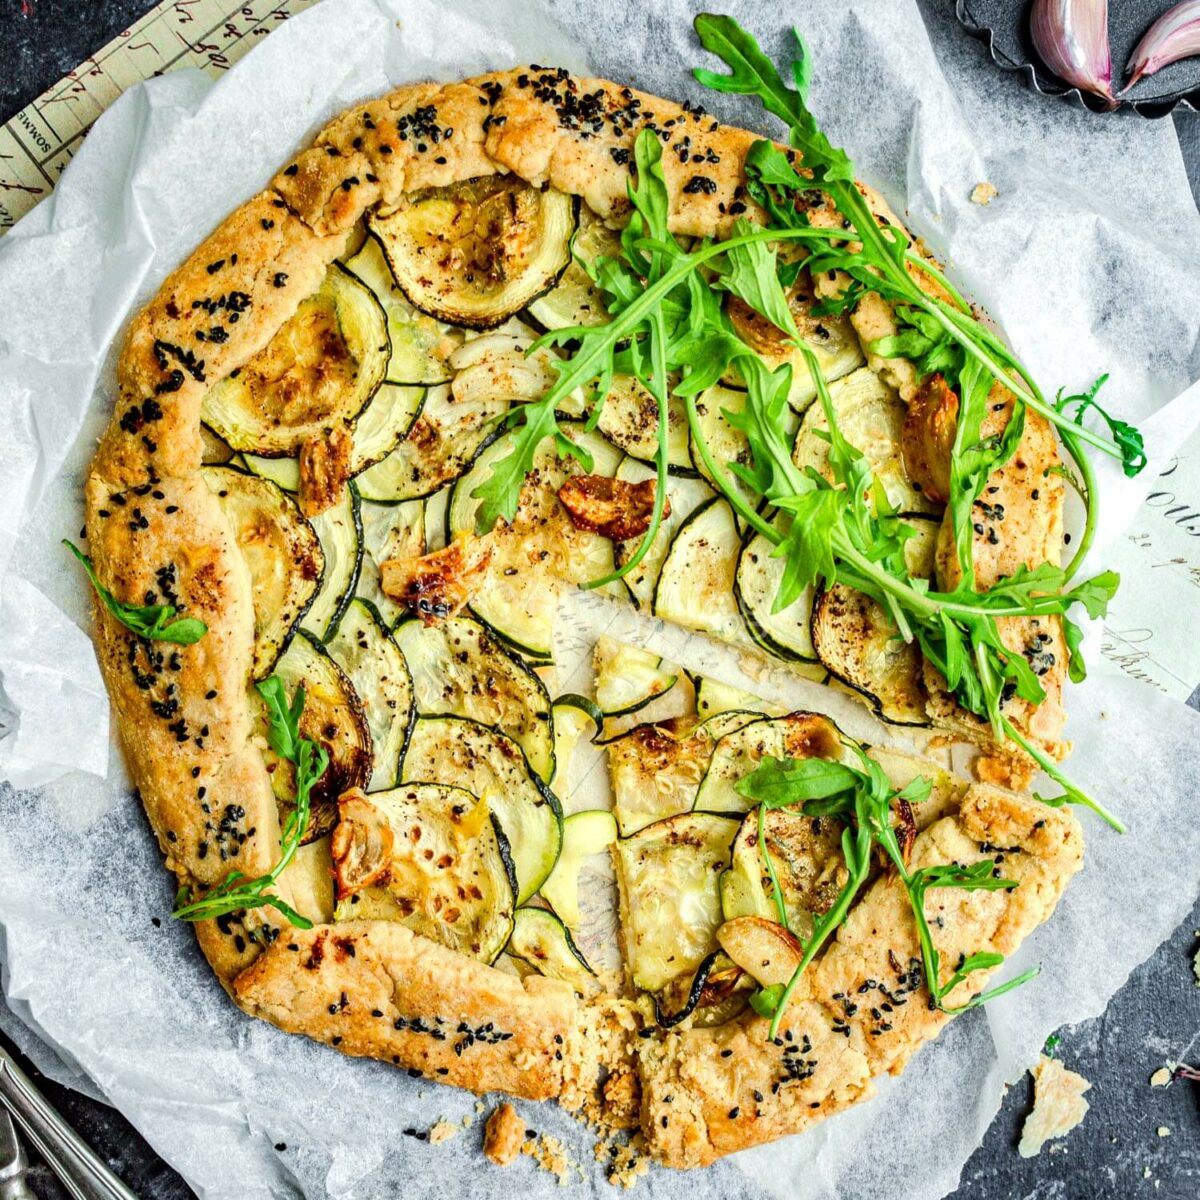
(668, 874)
(714, 698)
(584, 833)
(727, 444)
(487, 762)
(321, 368)
(433, 858)
(340, 531)
(541, 550)
(831, 338)
(806, 853)
(476, 252)
(283, 472)
(654, 771)
(384, 424)
(871, 416)
(281, 551)
(459, 669)
(685, 496)
(333, 717)
(785, 633)
(716, 993)
(573, 300)
(857, 643)
(389, 531)
(571, 715)
(631, 677)
(443, 443)
(372, 661)
(695, 585)
(629, 419)
(544, 943)
(798, 735)
(416, 339)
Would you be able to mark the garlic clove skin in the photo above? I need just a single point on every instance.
(1071, 36)
(1175, 35)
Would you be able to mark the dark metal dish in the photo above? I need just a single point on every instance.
(1003, 26)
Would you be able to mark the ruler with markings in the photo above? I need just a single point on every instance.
(37, 144)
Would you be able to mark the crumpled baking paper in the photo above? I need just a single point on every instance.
(1087, 259)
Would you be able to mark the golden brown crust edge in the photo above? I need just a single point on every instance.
(186, 727)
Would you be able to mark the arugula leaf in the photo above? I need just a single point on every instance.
(1128, 438)
(235, 892)
(155, 622)
(750, 272)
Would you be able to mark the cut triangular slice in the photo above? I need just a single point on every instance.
(729, 888)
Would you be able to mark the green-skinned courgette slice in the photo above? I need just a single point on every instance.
(282, 552)
(685, 495)
(417, 340)
(458, 668)
(584, 834)
(695, 584)
(668, 874)
(726, 444)
(431, 857)
(476, 252)
(631, 678)
(488, 763)
(372, 661)
(389, 531)
(333, 717)
(857, 643)
(714, 698)
(522, 589)
(319, 370)
(629, 419)
(443, 442)
(784, 634)
(806, 853)
(574, 300)
(738, 752)
(340, 531)
(870, 416)
(544, 943)
(283, 472)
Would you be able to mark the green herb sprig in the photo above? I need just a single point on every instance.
(155, 622)
(861, 795)
(937, 334)
(236, 892)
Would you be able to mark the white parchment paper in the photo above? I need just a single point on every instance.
(1087, 258)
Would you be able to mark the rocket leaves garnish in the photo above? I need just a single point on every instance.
(861, 795)
(668, 328)
(236, 892)
(155, 622)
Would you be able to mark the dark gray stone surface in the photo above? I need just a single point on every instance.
(1115, 1154)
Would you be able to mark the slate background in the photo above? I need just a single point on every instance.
(1114, 1155)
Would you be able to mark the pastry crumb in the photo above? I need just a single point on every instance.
(1162, 1077)
(628, 1165)
(1058, 1105)
(442, 1131)
(1163, 1131)
(1196, 967)
(551, 1155)
(984, 193)
(503, 1135)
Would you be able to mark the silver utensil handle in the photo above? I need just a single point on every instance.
(81, 1171)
